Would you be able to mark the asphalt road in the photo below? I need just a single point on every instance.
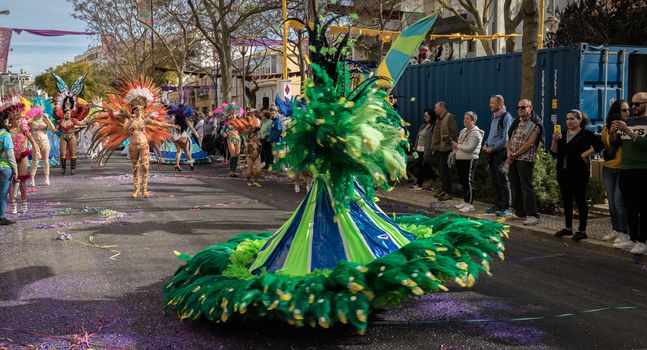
(546, 294)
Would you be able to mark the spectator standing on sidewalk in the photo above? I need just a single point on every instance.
(266, 128)
(467, 150)
(574, 148)
(423, 168)
(495, 148)
(633, 171)
(524, 136)
(8, 167)
(611, 169)
(444, 132)
(275, 132)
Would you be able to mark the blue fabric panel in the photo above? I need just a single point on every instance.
(377, 240)
(327, 244)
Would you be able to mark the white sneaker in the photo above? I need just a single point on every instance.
(611, 236)
(33, 182)
(623, 242)
(460, 206)
(47, 180)
(531, 221)
(639, 248)
(519, 218)
(415, 188)
(468, 208)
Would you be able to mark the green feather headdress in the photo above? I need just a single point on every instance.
(344, 134)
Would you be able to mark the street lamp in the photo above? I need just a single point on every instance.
(552, 24)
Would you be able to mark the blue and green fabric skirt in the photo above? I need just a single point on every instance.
(168, 151)
(329, 264)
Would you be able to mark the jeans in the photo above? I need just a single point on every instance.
(440, 160)
(634, 192)
(572, 186)
(5, 182)
(465, 169)
(524, 200)
(500, 181)
(617, 209)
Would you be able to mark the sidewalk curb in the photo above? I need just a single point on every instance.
(589, 244)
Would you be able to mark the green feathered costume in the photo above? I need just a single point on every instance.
(339, 255)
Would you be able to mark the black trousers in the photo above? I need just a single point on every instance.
(266, 153)
(423, 169)
(500, 181)
(524, 200)
(465, 169)
(634, 193)
(439, 160)
(572, 186)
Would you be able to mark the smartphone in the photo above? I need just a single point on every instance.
(557, 129)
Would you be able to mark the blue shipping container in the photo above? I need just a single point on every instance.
(588, 78)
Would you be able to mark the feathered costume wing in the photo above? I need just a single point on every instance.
(79, 107)
(339, 255)
(113, 120)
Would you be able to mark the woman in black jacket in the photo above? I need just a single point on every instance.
(574, 148)
(422, 151)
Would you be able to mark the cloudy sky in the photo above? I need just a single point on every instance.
(34, 53)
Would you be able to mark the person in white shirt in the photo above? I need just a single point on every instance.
(467, 148)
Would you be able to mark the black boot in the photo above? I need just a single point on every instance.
(72, 166)
(63, 165)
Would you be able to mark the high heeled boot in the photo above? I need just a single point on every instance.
(72, 166)
(63, 165)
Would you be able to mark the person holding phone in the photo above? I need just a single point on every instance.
(611, 170)
(633, 171)
(574, 148)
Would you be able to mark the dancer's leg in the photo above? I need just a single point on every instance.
(145, 161)
(134, 158)
(73, 144)
(44, 152)
(63, 154)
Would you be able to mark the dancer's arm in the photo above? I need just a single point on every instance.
(49, 123)
(197, 137)
(34, 146)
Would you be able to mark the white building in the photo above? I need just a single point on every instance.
(21, 83)
(93, 56)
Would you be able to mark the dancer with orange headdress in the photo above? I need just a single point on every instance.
(133, 112)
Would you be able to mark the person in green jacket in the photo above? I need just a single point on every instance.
(633, 171)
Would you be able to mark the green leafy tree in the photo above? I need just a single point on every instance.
(96, 84)
(617, 22)
(544, 180)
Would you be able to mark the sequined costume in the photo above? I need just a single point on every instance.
(20, 134)
(70, 112)
(132, 113)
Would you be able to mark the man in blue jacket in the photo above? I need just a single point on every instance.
(276, 130)
(494, 146)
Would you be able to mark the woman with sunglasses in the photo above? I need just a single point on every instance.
(611, 169)
(574, 148)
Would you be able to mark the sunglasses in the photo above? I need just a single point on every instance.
(522, 107)
(636, 104)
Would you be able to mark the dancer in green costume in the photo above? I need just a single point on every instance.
(339, 255)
